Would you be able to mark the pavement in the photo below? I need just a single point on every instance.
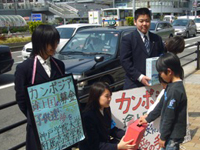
(192, 86)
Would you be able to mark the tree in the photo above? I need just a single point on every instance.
(33, 25)
(129, 21)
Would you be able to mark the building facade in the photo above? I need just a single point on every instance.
(79, 8)
(163, 7)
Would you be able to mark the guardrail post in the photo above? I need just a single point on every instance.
(198, 56)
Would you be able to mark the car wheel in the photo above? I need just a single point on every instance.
(187, 35)
(170, 36)
(195, 34)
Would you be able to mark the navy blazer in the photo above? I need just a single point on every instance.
(23, 78)
(97, 137)
(133, 55)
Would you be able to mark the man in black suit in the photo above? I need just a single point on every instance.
(136, 47)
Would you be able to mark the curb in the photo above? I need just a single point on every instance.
(16, 46)
(190, 69)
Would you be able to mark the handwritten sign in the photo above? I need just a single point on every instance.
(131, 104)
(56, 113)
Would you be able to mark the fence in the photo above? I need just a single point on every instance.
(197, 59)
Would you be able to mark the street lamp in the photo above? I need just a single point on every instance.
(133, 8)
(15, 7)
(161, 13)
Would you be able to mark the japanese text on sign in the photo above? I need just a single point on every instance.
(56, 113)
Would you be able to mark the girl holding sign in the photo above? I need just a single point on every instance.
(40, 67)
(98, 122)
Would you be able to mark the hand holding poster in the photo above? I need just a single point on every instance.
(56, 113)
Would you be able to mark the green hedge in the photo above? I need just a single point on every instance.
(13, 29)
(15, 40)
(33, 25)
(130, 21)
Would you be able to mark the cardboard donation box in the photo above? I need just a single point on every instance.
(151, 71)
(135, 132)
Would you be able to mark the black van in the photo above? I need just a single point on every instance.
(6, 60)
(93, 51)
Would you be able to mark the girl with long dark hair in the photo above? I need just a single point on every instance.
(98, 122)
(39, 68)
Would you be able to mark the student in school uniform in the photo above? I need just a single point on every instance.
(101, 130)
(136, 47)
(173, 105)
(39, 68)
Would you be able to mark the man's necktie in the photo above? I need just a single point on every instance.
(146, 43)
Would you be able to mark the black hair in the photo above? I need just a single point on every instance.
(142, 11)
(161, 79)
(175, 44)
(170, 60)
(42, 36)
(95, 93)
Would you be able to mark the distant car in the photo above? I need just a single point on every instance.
(65, 31)
(197, 22)
(169, 18)
(94, 51)
(162, 28)
(6, 60)
(185, 27)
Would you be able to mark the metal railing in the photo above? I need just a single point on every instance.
(86, 95)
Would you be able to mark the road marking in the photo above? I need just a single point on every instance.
(192, 47)
(6, 86)
(16, 52)
(18, 62)
(19, 56)
(192, 38)
(186, 45)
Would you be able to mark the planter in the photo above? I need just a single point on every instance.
(16, 46)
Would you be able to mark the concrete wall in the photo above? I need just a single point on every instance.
(22, 12)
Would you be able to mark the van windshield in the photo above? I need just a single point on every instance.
(92, 43)
(109, 13)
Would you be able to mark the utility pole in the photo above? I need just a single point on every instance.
(133, 9)
(161, 11)
(195, 9)
(15, 7)
(1, 4)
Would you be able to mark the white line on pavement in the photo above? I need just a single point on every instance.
(6, 86)
(192, 47)
(192, 38)
(17, 62)
(16, 52)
